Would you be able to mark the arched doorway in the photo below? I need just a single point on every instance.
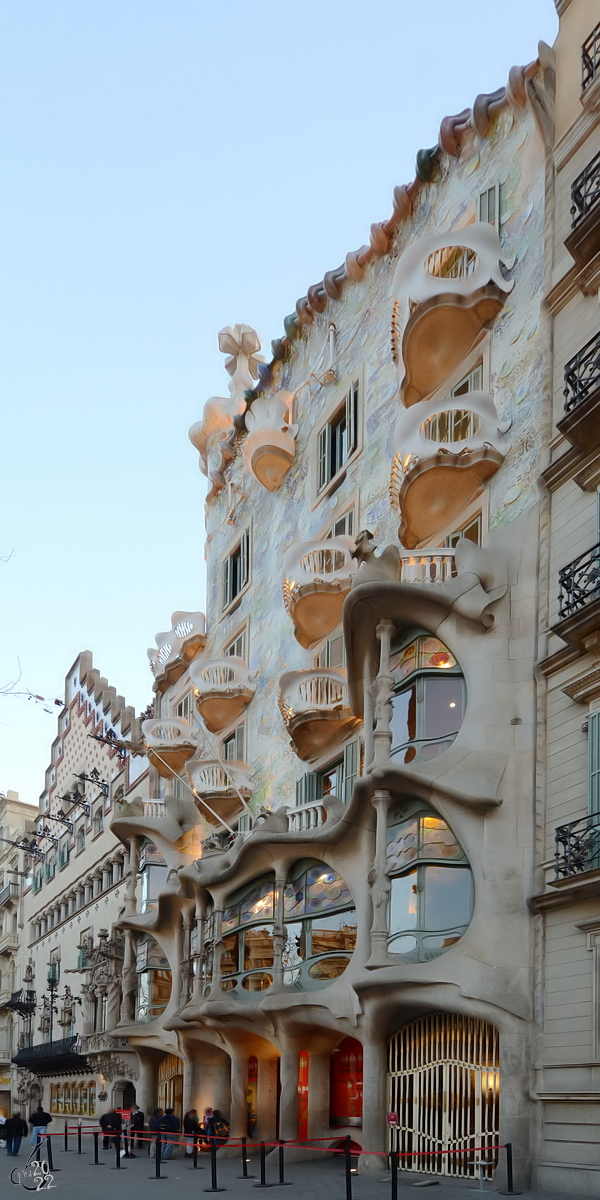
(444, 1089)
(170, 1084)
(123, 1094)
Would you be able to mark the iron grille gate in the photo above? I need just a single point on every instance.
(444, 1086)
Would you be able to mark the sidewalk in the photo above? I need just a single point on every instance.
(75, 1175)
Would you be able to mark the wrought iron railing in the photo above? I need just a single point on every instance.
(582, 374)
(22, 1002)
(579, 583)
(590, 58)
(577, 846)
(585, 191)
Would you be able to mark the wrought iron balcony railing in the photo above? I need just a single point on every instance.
(577, 847)
(579, 583)
(582, 374)
(22, 1002)
(590, 58)
(585, 191)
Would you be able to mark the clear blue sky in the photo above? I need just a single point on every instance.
(169, 168)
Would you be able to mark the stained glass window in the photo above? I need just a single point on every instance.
(424, 654)
(255, 905)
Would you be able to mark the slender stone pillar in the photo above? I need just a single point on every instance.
(144, 1088)
(266, 1107)
(380, 885)
(374, 1099)
(319, 1066)
(131, 877)
(239, 1104)
(288, 1103)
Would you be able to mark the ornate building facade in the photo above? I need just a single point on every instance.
(332, 932)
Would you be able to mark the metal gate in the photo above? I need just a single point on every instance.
(444, 1087)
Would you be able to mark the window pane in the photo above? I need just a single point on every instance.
(403, 904)
(258, 904)
(258, 948)
(333, 933)
(325, 889)
(447, 897)
(404, 717)
(443, 706)
(437, 840)
(403, 844)
(229, 955)
(328, 968)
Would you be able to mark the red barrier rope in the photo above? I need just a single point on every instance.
(145, 1135)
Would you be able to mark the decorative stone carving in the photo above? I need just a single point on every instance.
(176, 648)
(386, 566)
(315, 710)
(317, 577)
(171, 742)
(269, 448)
(223, 687)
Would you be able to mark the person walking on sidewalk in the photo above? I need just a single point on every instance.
(191, 1129)
(153, 1125)
(13, 1131)
(39, 1121)
(136, 1125)
(110, 1124)
(169, 1126)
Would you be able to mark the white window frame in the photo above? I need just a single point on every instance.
(243, 543)
(229, 650)
(320, 443)
(185, 702)
(239, 733)
(483, 206)
(323, 655)
(352, 509)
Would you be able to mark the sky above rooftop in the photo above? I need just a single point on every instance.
(170, 168)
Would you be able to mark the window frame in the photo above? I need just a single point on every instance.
(320, 440)
(228, 651)
(243, 543)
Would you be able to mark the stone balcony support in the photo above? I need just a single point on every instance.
(315, 710)
(317, 577)
(223, 688)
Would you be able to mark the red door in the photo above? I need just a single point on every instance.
(345, 1105)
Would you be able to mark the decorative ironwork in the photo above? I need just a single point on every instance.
(590, 58)
(577, 846)
(47, 833)
(582, 374)
(579, 583)
(585, 191)
(77, 799)
(29, 847)
(53, 1058)
(95, 778)
(22, 1002)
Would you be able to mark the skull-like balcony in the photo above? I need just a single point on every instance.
(315, 710)
(269, 448)
(224, 787)
(223, 688)
(448, 288)
(442, 461)
(317, 578)
(170, 742)
(175, 649)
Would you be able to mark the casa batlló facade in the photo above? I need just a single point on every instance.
(337, 872)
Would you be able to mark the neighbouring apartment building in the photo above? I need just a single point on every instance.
(566, 1050)
(68, 995)
(16, 825)
(333, 932)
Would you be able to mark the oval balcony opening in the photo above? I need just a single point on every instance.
(432, 895)
(454, 425)
(315, 710)
(429, 700)
(223, 689)
(317, 578)
(451, 262)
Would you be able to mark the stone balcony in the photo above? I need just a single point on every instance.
(269, 448)
(9, 943)
(317, 578)
(223, 688)
(170, 742)
(448, 288)
(315, 710)
(224, 786)
(175, 649)
(442, 461)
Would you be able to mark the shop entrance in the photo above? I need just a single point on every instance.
(170, 1084)
(444, 1089)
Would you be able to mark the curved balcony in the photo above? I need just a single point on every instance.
(448, 288)
(269, 449)
(315, 710)
(442, 461)
(171, 742)
(223, 688)
(221, 785)
(317, 578)
(175, 649)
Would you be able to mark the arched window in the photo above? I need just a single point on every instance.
(320, 925)
(80, 839)
(154, 980)
(429, 699)
(431, 901)
(247, 926)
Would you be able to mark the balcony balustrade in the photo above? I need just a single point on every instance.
(590, 58)
(223, 688)
(583, 242)
(221, 785)
(154, 808)
(579, 583)
(22, 1002)
(307, 816)
(170, 742)
(582, 376)
(315, 710)
(317, 578)
(577, 847)
(175, 649)
(428, 566)
(9, 894)
(9, 942)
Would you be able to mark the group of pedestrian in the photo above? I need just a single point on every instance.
(112, 1126)
(14, 1129)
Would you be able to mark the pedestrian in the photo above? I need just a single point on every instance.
(136, 1125)
(13, 1131)
(39, 1121)
(169, 1126)
(191, 1129)
(110, 1124)
(153, 1125)
(220, 1128)
(206, 1126)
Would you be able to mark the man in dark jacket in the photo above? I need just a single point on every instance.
(110, 1123)
(39, 1121)
(169, 1126)
(13, 1130)
(136, 1125)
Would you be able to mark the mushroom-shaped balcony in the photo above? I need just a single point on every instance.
(223, 688)
(175, 649)
(269, 449)
(222, 785)
(317, 578)
(315, 710)
(442, 461)
(171, 742)
(447, 289)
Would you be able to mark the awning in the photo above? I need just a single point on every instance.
(53, 1058)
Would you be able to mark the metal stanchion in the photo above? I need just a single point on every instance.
(510, 1190)
(195, 1154)
(158, 1157)
(395, 1174)
(96, 1144)
(348, 1165)
(49, 1151)
(79, 1136)
(213, 1168)
(66, 1137)
(263, 1167)
(282, 1180)
(245, 1160)
(38, 1147)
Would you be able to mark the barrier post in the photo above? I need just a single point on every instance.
(213, 1168)
(510, 1189)
(79, 1136)
(195, 1153)
(348, 1164)
(66, 1136)
(157, 1155)
(38, 1147)
(96, 1144)
(118, 1151)
(244, 1174)
(263, 1167)
(394, 1165)
(49, 1151)
(282, 1181)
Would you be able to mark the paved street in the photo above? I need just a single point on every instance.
(76, 1176)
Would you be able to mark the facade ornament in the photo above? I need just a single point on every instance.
(383, 567)
(213, 435)
(269, 448)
